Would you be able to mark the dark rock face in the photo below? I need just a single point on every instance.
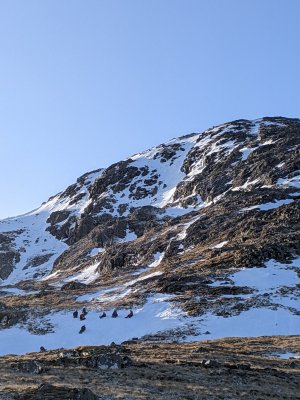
(118, 176)
(8, 255)
(7, 262)
(116, 258)
(58, 216)
(37, 260)
(56, 228)
(73, 286)
(31, 367)
(9, 316)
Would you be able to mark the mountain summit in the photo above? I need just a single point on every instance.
(204, 226)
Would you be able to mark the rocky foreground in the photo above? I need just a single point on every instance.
(233, 368)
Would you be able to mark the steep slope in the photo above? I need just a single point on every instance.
(184, 232)
(30, 243)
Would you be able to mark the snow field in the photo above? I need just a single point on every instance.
(252, 323)
(159, 314)
(156, 315)
(268, 206)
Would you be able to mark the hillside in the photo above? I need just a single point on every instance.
(235, 369)
(199, 236)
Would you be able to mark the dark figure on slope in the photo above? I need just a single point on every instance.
(114, 314)
(84, 311)
(130, 314)
(103, 315)
(82, 317)
(75, 314)
(82, 329)
(42, 349)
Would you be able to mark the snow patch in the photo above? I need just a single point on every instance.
(156, 315)
(280, 165)
(251, 323)
(182, 234)
(246, 152)
(267, 278)
(95, 251)
(87, 275)
(285, 356)
(158, 257)
(129, 237)
(294, 181)
(219, 245)
(268, 206)
(246, 185)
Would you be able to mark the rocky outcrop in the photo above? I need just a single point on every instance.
(60, 222)
(73, 286)
(9, 256)
(35, 261)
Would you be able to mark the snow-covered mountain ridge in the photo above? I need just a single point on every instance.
(177, 221)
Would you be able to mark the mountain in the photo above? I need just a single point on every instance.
(200, 236)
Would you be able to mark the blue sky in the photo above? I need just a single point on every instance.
(84, 84)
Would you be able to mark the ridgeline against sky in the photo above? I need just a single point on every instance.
(85, 84)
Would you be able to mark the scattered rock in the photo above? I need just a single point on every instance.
(51, 392)
(74, 285)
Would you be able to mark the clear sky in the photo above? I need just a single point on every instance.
(87, 83)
